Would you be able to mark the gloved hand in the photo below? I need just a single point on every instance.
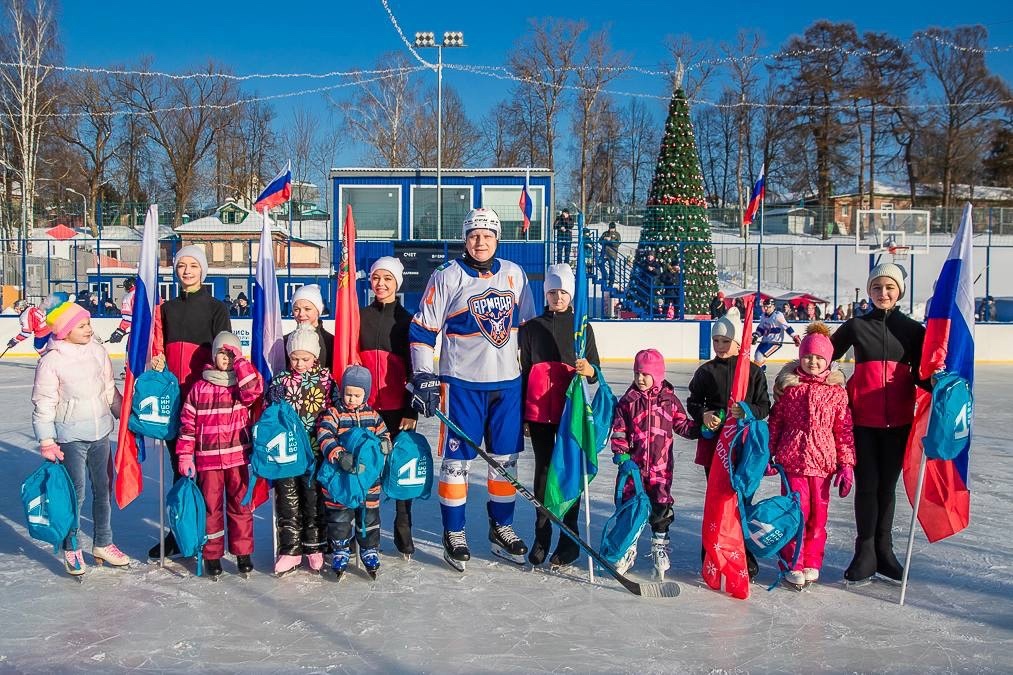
(51, 452)
(629, 466)
(233, 351)
(385, 446)
(770, 470)
(425, 393)
(620, 458)
(346, 462)
(845, 478)
(796, 339)
(116, 336)
(186, 466)
(11, 342)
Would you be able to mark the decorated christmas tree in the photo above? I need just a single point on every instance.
(676, 229)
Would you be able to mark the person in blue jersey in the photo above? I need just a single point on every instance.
(476, 303)
(770, 332)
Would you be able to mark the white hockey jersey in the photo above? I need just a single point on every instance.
(772, 327)
(478, 316)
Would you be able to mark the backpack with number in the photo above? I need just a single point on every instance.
(281, 446)
(350, 489)
(950, 417)
(187, 516)
(770, 524)
(409, 473)
(154, 409)
(50, 502)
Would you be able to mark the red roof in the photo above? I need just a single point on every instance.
(61, 232)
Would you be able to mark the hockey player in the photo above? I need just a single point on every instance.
(477, 302)
(126, 312)
(770, 333)
(33, 323)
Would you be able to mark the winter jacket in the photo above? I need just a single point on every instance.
(810, 424)
(548, 364)
(215, 422)
(184, 329)
(309, 393)
(888, 348)
(384, 351)
(326, 345)
(643, 427)
(73, 393)
(336, 420)
(710, 389)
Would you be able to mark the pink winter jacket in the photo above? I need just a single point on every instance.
(215, 423)
(810, 424)
(643, 427)
(73, 393)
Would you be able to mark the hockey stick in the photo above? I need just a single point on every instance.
(655, 589)
(4, 352)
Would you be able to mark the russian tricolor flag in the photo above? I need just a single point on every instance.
(945, 507)
(277, 192)
(525, 204)
(129, 479)
(755, 199)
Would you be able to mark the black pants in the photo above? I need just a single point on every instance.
(363, 523)
(300, 516)
(543, 439)
(403, 540)
(879, 460)
(661, 518)
(563, 244)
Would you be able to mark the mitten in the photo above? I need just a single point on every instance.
(845, 479)
(186, 466)
(233, 351)
(620, 458)
(347, 462)
(51, 451)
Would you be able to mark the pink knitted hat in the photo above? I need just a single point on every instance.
(817, 341)
(650, 361)
(65, 317)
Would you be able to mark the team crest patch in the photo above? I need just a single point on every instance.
(493, 311)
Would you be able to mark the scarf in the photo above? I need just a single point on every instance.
(481, 267)
(223, 378)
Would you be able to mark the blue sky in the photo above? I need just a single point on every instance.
(262, 36)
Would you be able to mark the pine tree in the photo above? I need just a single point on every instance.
(675, 226)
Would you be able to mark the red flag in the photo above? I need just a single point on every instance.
(725, 549)
(346, 304)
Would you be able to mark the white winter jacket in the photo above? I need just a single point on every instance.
(73, 393)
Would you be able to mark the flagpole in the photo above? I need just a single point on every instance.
(161, 503)
(914, 520)
(270, 240)
(759, 250)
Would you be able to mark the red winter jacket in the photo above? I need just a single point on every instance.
(215, 423)
(184, 329)
(810, 425)
(643, 428)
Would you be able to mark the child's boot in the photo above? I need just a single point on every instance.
(370, 560)
(812, 575)
(339, 561)
(286, 563)
(213, 568)
(659, 554)
(316, 561)
(795, 579)
(110, 554)
(73, 562)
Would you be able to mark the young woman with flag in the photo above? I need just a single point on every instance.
(888, 350)
(185, 327)
(548, 364)
(384, 351)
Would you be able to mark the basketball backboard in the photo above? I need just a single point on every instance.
(897, 232)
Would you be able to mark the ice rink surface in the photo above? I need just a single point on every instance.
(420, 616)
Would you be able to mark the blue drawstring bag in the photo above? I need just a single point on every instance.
(50, 503)
(187, 516)
(950, 417)
(154, 409)
(603, 407)
(623, 527)
(749, 454)
(770, 524)
(350, 489)
(409, 472)
(281, 446)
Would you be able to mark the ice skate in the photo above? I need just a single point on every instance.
(244, 566)
(370, 560)
(794, 579)
(73, 562)
(536, 556)
(506, 544)
(455, 549)
(316, 561)
(110, 554)
(287, 563)
(863, 565)
(626, 562)
(339, 561)
(213, 569)
(888, 568)
(659, 554)
(171, 550)
(566, 554)
(812, 575)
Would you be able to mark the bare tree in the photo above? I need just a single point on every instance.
(692, 64)
(742, 68)
(514, 132)
(300, 141)
(639, 143)
(26, 95)
(460, 139)
(324, 152)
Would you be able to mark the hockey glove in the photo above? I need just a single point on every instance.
(756, 338)
(796, 339)
(51, 452)
(186, 466)
(12, 342)
(116, 336)
(844, 480)
(346, 462)
(425, 388)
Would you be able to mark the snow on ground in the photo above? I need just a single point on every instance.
(420, 616)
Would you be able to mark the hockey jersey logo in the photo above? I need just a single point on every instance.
(493, 312)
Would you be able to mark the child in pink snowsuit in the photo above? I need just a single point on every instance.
(646, 418)
(810, 436)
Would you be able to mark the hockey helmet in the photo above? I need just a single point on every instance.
(482, 219)
(21, 305)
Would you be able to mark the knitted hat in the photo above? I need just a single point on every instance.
(64, 317)
(729, 326)
(390, 264)
(357, 376)
(310, 293)
(195, 252)
(650, 361)
(225, 338)
(303, 339)
(559, 277)
(817, 341)
(895, 272)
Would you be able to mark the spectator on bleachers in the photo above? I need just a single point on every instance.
(863, 308)
(717, 306)
(241, 307)
(839, 313)
(987, 310)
